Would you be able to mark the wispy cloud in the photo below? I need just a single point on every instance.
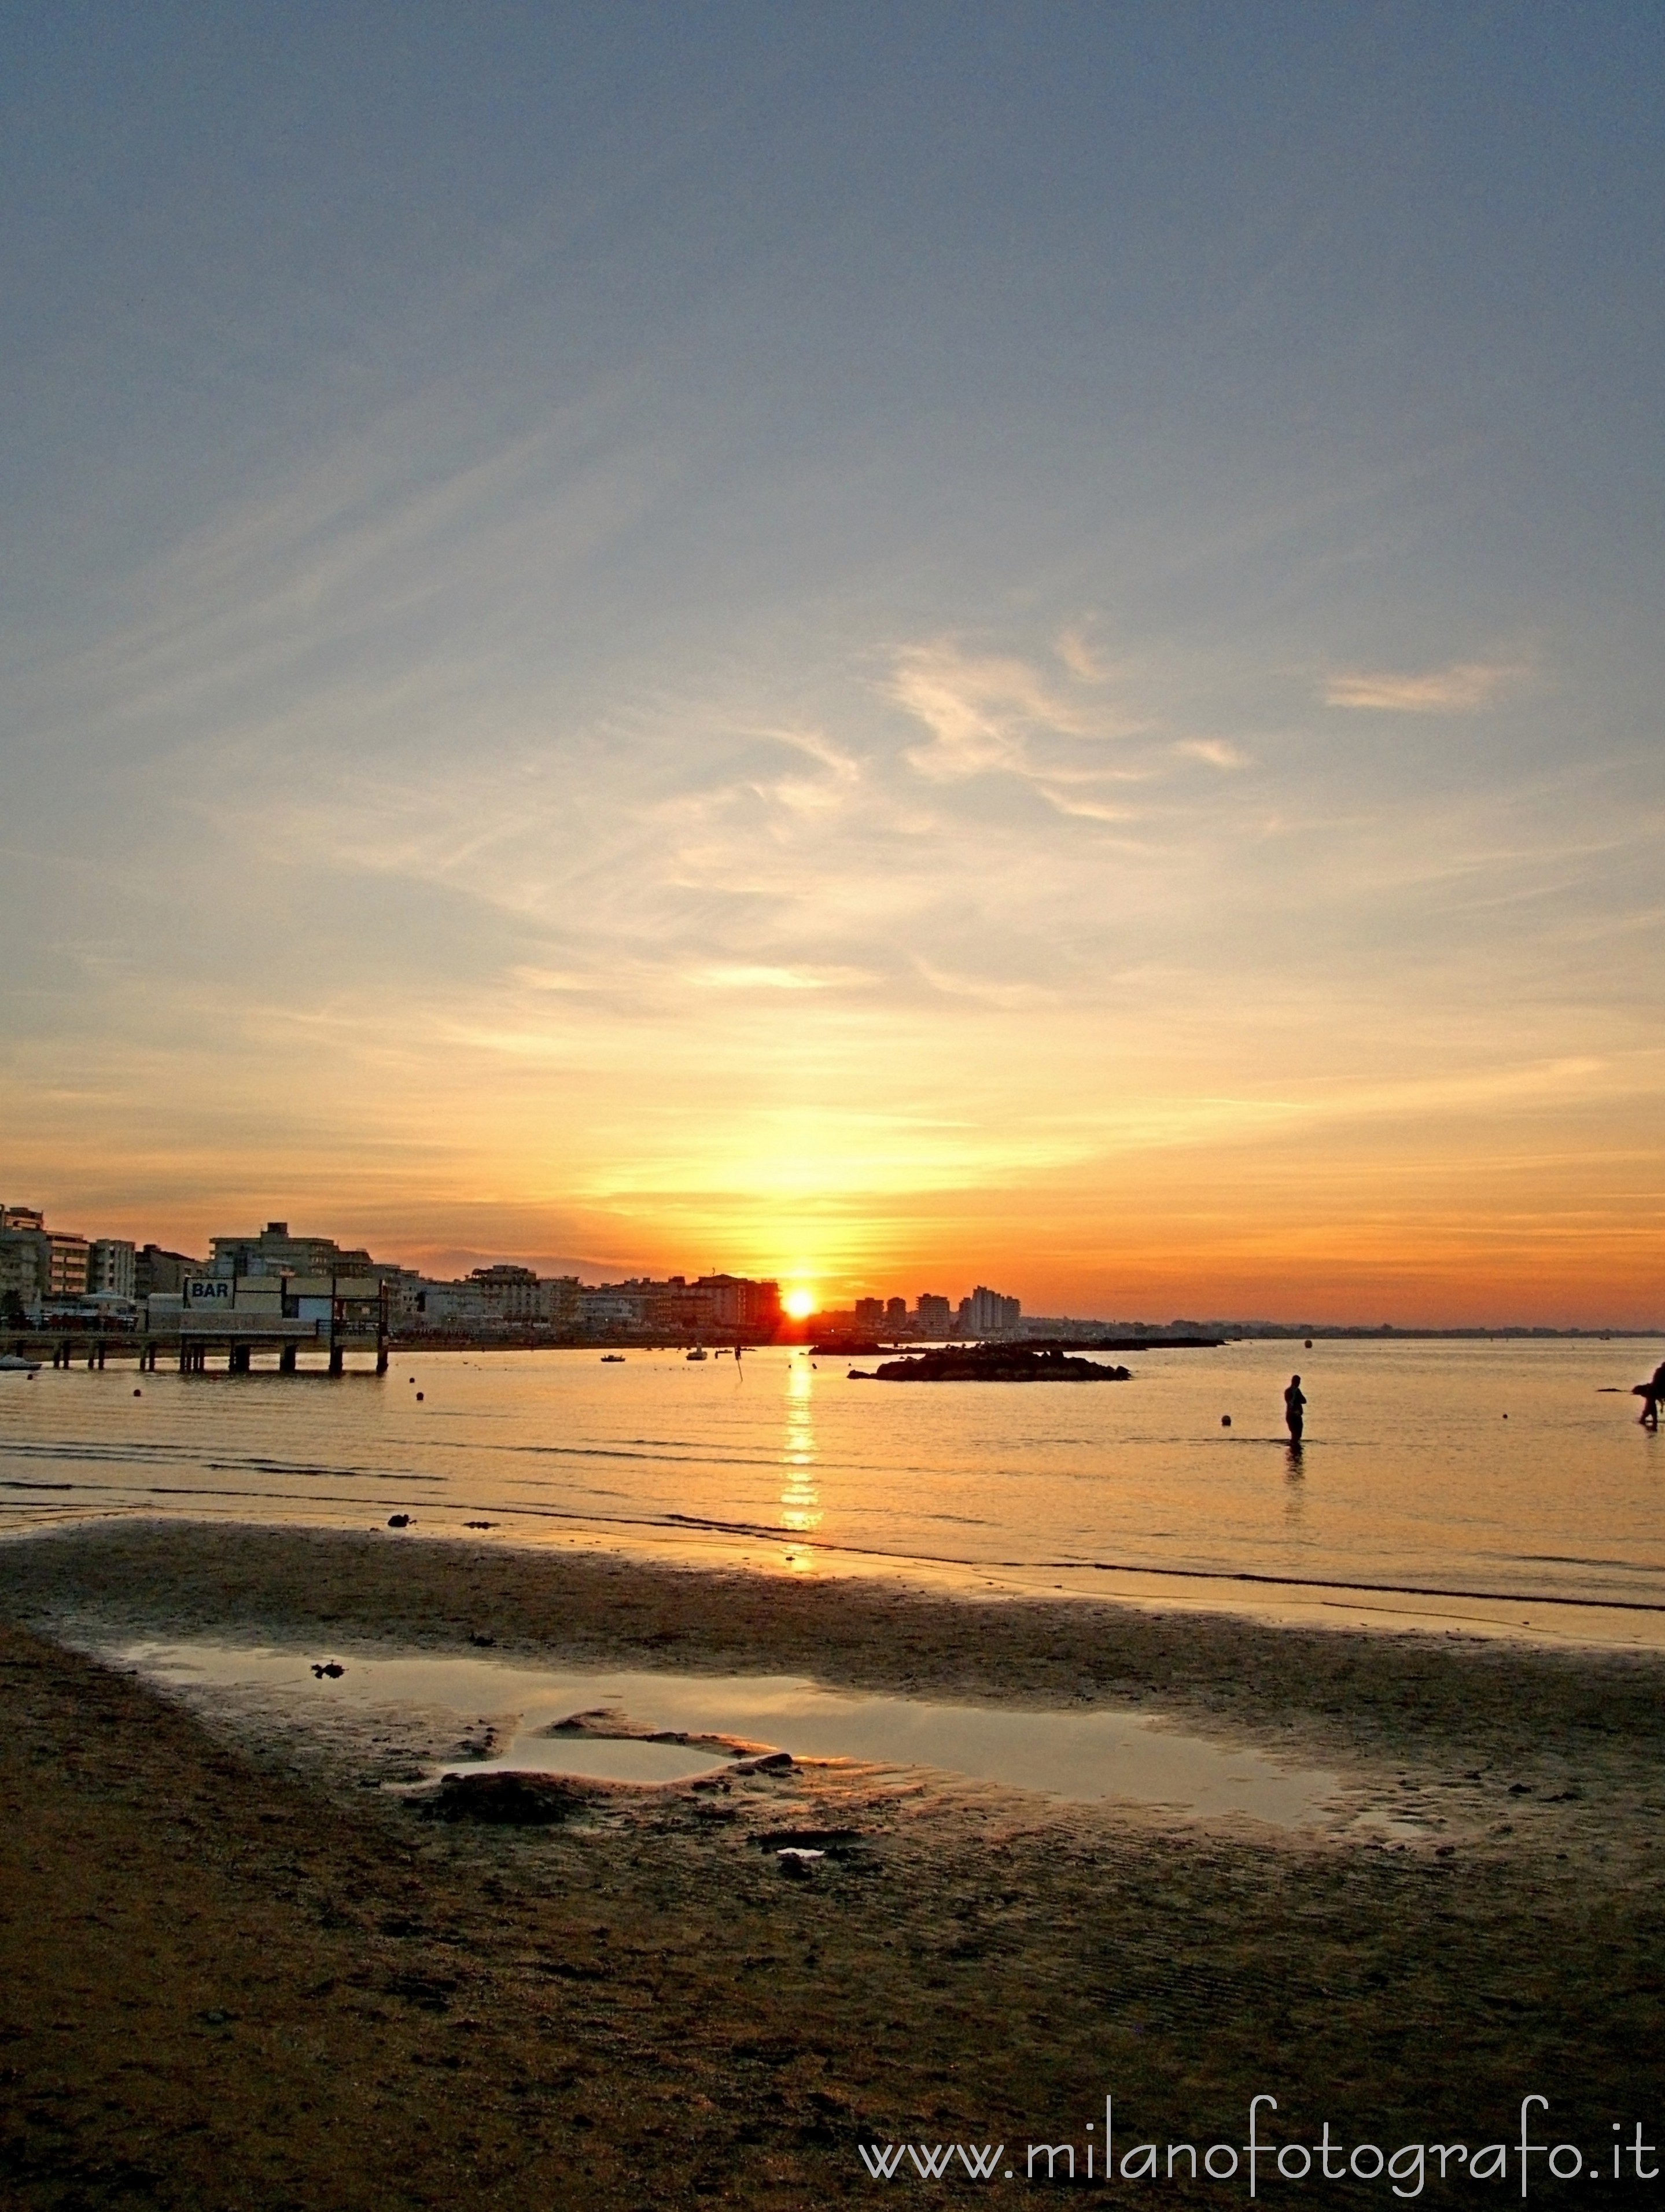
(993, 711)
(1076, 650)
(1465, 688)
(554, 979)
(740, 977)
(986, 990)
(1219, 753)
(1086, 809)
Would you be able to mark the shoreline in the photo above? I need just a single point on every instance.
(695, 1547)
(249, 1962)
(1378, 1690)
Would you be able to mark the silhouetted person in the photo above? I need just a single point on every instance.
(1652, 1395)
(1295, 1408)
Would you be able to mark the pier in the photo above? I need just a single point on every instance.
(223, 1338)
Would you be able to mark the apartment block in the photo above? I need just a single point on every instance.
(112, 1268)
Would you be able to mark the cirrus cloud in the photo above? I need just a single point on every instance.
(992, 712)
(1465, 688)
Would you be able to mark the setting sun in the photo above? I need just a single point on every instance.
(798, 1305)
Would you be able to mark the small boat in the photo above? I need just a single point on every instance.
(612, 1359)
(14, 1363)
(699, 1353)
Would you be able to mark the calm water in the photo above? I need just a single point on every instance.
(1088, 1757)
(1412, 1477)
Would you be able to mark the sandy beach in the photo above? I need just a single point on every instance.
(240, 1966)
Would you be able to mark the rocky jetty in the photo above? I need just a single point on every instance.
(993, 1363)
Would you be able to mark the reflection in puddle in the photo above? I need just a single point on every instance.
(1086, 1757)
(598, 1759)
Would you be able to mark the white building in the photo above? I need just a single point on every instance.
(611, 1307)
(456, 1305)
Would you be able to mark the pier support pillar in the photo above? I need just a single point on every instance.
(237, 1360)
(286, 1359)
(337, 1360)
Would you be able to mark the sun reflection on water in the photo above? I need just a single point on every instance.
(800, 1498)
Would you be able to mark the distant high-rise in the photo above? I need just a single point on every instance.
(985, 1313)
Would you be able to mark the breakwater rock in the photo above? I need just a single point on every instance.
(993, 1363)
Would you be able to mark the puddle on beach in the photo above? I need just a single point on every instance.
(1086, 1758)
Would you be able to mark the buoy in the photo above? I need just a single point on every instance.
(139, 1394)
(1225, 1420)
(421, 1395)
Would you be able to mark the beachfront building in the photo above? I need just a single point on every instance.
(933, 1316)
(275, 1252)
(610, 1309)
(511, 1292)
(20, 1275)
(714, 1306)
(453, 1307)
(67, 1265)
(643, 1306)
(492, 1301)
(155, 1269)
(112, 1268)
(60, 1258)
(736, 1302)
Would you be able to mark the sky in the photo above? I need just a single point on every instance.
(893, 646)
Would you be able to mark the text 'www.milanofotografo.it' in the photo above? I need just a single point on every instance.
(1264, 2159)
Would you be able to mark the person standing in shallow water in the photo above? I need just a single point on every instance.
(1295, 1408)
(1652, 1395)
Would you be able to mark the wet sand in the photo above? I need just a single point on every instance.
(238, 1969)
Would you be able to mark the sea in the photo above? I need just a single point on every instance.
(1501, 1482)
